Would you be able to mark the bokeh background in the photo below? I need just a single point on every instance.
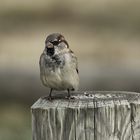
(104, 34)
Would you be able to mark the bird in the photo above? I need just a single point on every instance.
(58, 65)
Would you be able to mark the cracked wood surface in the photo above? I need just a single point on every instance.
(92, 115)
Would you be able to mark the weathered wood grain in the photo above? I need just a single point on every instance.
(94, 115)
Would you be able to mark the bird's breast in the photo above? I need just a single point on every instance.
(55, 63)
(60, 73)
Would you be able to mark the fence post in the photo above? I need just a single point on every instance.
(94, 115)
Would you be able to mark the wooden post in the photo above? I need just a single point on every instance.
(96, 115)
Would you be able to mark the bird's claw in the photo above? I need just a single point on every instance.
(47, 98)
(69, 97)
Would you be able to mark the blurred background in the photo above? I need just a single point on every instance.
(105, 36)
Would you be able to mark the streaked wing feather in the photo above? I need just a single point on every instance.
(75, 61)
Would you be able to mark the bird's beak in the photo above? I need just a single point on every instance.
(49, 45)
(49, 49)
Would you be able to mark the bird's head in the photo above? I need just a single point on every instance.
(55, 43)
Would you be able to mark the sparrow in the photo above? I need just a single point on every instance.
(58, 65)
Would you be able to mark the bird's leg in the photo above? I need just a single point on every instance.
(50, 95)
(68, 93)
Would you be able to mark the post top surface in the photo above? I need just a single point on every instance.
(84, 99)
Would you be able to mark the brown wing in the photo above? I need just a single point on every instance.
(74, 60)
(42, 69)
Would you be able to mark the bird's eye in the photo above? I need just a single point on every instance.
(55, 42)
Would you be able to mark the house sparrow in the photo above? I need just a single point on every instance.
(58, 65)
